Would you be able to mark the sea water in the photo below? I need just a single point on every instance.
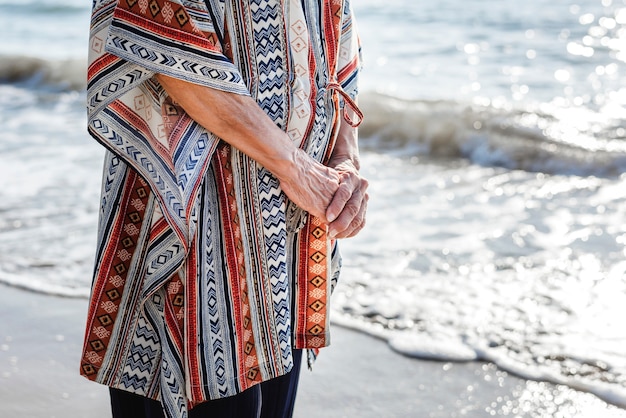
(495, 144)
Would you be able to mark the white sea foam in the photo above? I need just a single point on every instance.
(495, 228)
(49, 199)
(40, 285)
(460, 261)
(444, 349)
(463, 262)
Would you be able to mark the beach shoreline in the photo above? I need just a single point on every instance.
(358, 376)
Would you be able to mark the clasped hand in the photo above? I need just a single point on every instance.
(346, 211)
(338, 195)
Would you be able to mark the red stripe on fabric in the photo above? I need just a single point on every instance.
(100, 64)
(140, 125)
(130, 116)
(101, 279)
(348, 70)
(332, 27)
(191, 324)
(249, 372)
(187, 33)
(174, 308)
(158, 228)
(113, 273)
(222, 154)
(181, 125)
(303, 248)
(313, 310)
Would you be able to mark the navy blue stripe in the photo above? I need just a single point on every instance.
(105, 73)
(141, 139)
(161, 41)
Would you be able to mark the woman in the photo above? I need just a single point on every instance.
(232, 168)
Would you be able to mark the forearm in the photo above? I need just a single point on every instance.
(240, 121)
(237, 120)
(346, 150)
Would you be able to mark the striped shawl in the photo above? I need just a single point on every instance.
(206, 275)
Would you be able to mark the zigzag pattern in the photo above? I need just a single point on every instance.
(271, 95)
(213, 311)
(269, 58)
(198, 65)
(143, 358)
(110, 87)
(275, 230)
(140, 358)
(272, 206)
(133, 383)
(282, 315)
(143, 160)
(125, 114)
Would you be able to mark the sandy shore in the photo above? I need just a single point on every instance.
(358, 376)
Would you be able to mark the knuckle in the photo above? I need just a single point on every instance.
(344, 191)
(352, 210)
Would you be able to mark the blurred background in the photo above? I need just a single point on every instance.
(495, 142)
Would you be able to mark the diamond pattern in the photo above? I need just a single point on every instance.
(239, 310)
(154, 7)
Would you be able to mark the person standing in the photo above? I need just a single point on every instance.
(231, 170)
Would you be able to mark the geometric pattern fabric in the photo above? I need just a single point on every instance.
(206, 276)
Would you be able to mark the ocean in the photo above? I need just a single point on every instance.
(495, 145)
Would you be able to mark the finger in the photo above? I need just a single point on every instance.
(323, 197)
(351, 208)
(357, 223)
(312, 192)
(347, 216)
(351, 183)
(361, 224)
(339, 201)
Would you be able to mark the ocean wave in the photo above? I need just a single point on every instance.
(515, 138)
(34, 72)
(43, 287)
(450, 349)
(43, 7)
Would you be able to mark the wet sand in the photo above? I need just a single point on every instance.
(358, 376)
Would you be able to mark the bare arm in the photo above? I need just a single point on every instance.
(239, 121)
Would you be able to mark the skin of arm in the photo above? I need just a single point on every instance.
(239, 121)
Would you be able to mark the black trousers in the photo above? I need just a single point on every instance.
(274, 398)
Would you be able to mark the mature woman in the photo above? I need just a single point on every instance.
(231, 170)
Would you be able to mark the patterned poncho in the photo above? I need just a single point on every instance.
(206, 276)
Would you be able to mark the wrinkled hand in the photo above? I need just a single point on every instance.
(347, 209)
(311, 186)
